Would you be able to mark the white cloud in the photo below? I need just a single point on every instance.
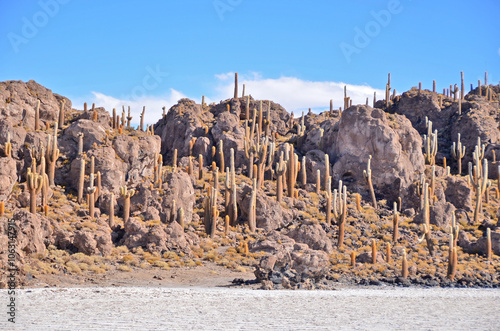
(153, 105)
(292, 93)
(295, 94)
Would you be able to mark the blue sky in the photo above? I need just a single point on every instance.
(297, 53)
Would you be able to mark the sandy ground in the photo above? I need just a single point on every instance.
(202, 308)
(209, 275)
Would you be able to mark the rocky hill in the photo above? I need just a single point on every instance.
(406, 192)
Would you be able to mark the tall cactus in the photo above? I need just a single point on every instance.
(8, 146)
(211, 213)
(111, 220)
(395, 223)
(92, 191)
(252, 215)
(368, 177)
(81, 179)
(52, 154)
(35, 183)
(426, 225)
(340, 210)
(61, 113)
(126, 194)
(329, 202)
(458, 152)
(480, 182)
(292, 168)
(37, 116)
(430, 143)
(280, 171)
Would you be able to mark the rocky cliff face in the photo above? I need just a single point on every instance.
(172, 208)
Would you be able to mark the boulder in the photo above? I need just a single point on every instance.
(396, 148)
(313, 235)
(270, 214)
(178, 187)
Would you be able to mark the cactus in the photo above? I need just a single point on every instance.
(8, 146)
(180, 217)
(404, 266)
(92, 190)
(292, 168)
(426, 224)
(358, 202)
(200, 166)
(221, 156)
(252, 215)
(395, 223)
(452, 258)
(97, 194)
(35, 183)
(191, 145)
(353, 258)
(2, 208)
(462, 86)
(488, 244)
(52, 154)
(480, 183)
(226, 225)
(374, 252)
(129, 118)
(111, 220)
(267, 121)
(430, 143)
(37, 116)
(94, 115)
(235, 85)
(329, 201)
(327, 170)
(280, 171)
(211, 213)
(81, 179)
(141, 125)
(318, 181)
(61, 113)
(174, 160)
(388, 253)
(303, 172)
(247, 109)
(113, 119)
(173, 211)
(368, 177)
(126, 194)
(340, 210)
(80, 142)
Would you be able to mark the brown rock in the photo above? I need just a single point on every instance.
(395, 146)
(8, 177)
(313, 235)
(270, 214)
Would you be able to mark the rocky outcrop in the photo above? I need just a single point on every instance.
(270, 214)
(93, 243)
(313, 235)
(21, 100)
(183, 121)
(8, 177)
(396, 148)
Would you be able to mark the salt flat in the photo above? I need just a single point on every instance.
(147, 308)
